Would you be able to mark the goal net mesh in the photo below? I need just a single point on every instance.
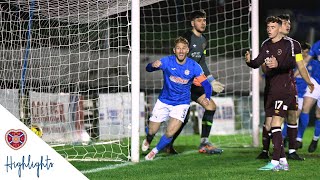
(227, 32)
(65, 66)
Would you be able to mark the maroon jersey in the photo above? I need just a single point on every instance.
(278, 80)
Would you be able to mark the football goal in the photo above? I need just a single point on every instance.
(71, 68)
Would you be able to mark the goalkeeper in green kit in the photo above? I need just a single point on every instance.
(197, 45)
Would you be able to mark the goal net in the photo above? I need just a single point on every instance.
(65, 66)
(227, 32)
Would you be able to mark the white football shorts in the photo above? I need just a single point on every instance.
(316, 92)
(300, 103)
(162, 112)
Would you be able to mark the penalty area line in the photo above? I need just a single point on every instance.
(127, 164)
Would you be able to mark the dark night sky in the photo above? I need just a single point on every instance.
(304, 16)
(295, 4)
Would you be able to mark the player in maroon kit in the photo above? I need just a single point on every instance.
(292, 111)
(280, 90)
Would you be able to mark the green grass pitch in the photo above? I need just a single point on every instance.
(235, 163)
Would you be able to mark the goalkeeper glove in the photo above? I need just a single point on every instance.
(216, 85)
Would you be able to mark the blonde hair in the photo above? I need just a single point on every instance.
(181, 40)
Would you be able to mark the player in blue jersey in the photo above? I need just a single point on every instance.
(198, 46)
(315, 64)
(309, 99)
(173, 102)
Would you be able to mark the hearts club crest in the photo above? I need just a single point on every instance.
(16, 139)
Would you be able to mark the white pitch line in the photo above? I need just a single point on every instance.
(126, 164)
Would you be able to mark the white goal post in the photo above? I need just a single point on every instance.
(255, 73)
